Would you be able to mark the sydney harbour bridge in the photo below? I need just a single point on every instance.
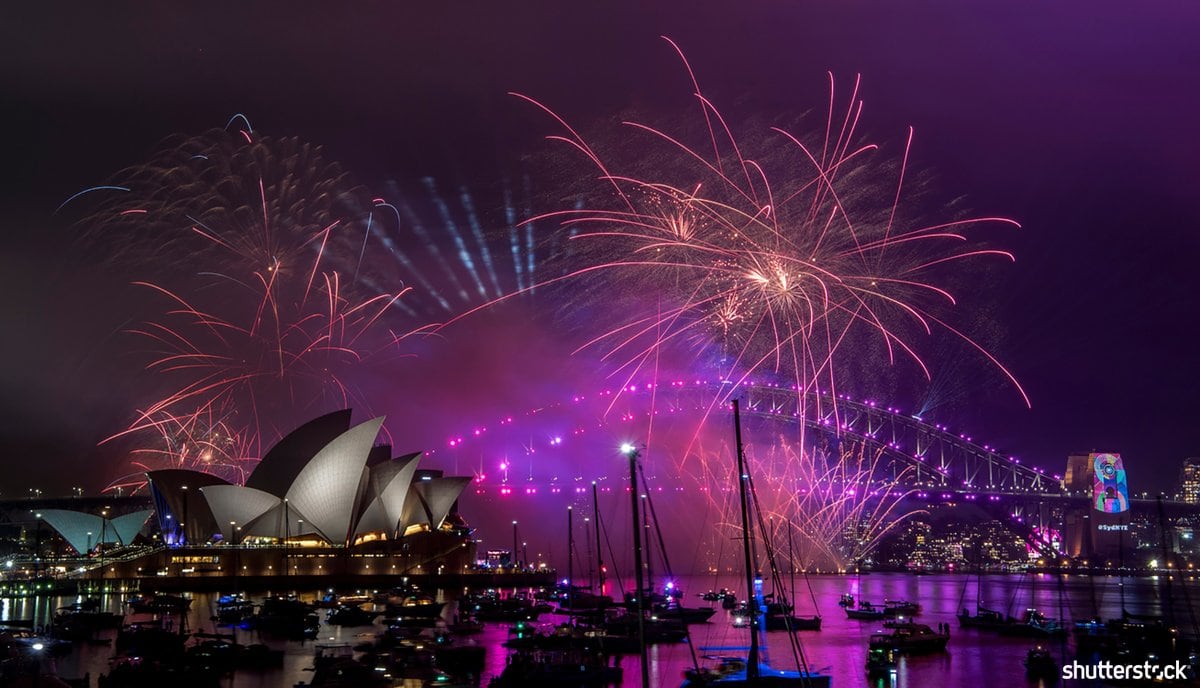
(933, 465)
(542, 451)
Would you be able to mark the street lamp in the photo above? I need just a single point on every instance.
(183, 539)
(287, 530)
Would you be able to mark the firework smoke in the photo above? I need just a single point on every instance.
(256, 250)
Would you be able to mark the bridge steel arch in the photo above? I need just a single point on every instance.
(940, 459)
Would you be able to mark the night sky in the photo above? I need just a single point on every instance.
(1076, 119)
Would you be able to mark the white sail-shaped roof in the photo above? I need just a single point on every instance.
(439, 494)
(284, 462)
(178, 500)
(415, 512)
(81, 530)
(326, 488)
(239, 505)
(388, 488)
(284, 520)
(128, 526)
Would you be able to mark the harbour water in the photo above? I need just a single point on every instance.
(972, 658)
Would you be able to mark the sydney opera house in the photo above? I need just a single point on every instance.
(325, 500)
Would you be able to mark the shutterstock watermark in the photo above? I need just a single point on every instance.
(1110, 671)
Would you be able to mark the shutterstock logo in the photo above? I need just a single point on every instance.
(1108, 671)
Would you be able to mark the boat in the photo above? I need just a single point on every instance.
(791, 622)
(621, 632)
(574, 598)
(754, 669)
(159, 604)
(717, 595)
(1033, 624)
(492, 607)
(732, 671)
(881, 661)
(778, 618)
(222, 653)
(233, 610)
(334, 666)
(26, 641)
(568, 667)
(910, 638)
(286, 617)
(688, 615)
(144, 670)
(846, 600)
(581, 599)
(76, 623)
(415, 605)
(865, 612)
(158, 639)
(1040, 664)
(900, 608)
(987, 619)
(781, 614)
(351, 615)
(567, 657)
(465, 625)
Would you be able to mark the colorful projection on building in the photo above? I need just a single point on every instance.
(1110, 492)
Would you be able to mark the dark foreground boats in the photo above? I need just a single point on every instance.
(159, 604)
(865, 612)
(754, 670)
(569, 666)
(987, 619)
(1040, 664)
(881, 661)
(890, 610)
(910, 638)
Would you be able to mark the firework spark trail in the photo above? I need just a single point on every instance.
(777, 266)
(842, 505)
(269, 327)
(779, 257)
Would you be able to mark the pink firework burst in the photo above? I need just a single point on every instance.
(778, 263)
(275, 310)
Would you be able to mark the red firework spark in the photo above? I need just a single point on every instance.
(269, 325)
(776, 265)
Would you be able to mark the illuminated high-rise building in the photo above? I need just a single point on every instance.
(1101, 531)
(1189, 480)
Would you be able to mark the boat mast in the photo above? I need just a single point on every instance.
(639, 585)
(649, 546)
(570, 558)
(752, 603)
(599, 552)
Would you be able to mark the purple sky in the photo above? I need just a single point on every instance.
(1076, 119)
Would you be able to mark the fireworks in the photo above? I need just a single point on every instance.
(266, 300)
(841, 505)
(776, 262)
(842, 497)
(792, 258)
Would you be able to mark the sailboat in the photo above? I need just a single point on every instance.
(754, 669)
